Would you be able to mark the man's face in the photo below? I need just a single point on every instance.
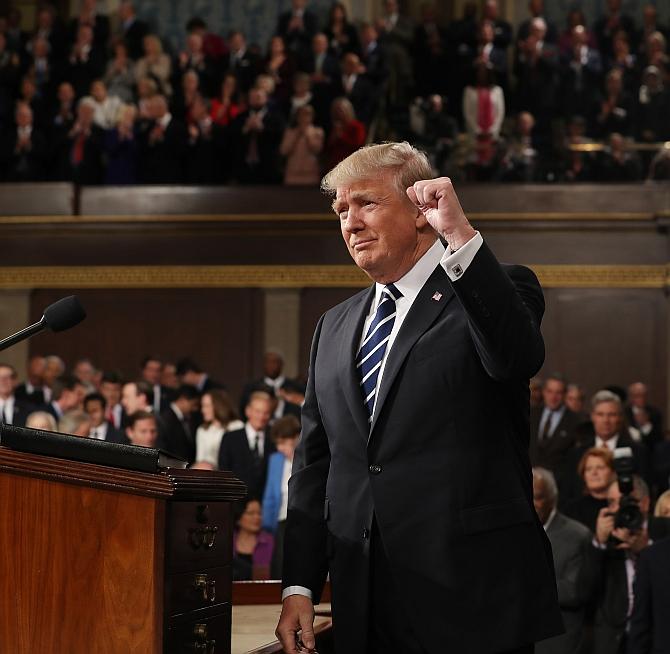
(6, 382)
(96, 412)
(52, 370)
(144, 433)
(272, 365)
(72, 399)
(637, 395)
(151, 372)
(259, 412)
(36, 369)
(85, 372)
(606, 418)
(543, 504)
(131, 401)
(379, 227)
(553, 393)
(111, 392)
(574, 400)
(169, 376)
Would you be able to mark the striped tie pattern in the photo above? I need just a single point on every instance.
(371, 354)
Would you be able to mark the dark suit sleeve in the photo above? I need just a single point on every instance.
(305, 561)
(504, 310)
(573, 581)
(639, 637)
(225, 458)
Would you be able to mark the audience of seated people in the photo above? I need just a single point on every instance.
(103, 99)
(576, 487)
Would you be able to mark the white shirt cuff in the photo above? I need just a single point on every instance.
(456, 263)
(295, 590)
(597, 544)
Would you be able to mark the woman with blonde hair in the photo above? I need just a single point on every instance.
(219, 416)
(155, 64)
(346, 135)
(662, 508)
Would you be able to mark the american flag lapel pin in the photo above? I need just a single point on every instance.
(437, 296)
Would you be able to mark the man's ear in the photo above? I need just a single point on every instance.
(420, 219)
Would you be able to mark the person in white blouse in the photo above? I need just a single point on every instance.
(219, 416)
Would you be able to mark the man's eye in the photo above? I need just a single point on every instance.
(342, 215)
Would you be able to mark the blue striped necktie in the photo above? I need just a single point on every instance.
(371, 354)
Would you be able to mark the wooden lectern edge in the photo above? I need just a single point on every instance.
(170, 483)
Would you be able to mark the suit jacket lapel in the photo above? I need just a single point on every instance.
(422, 314)
(349, 342)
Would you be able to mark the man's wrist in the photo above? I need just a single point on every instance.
(457, 239)
(296, 590)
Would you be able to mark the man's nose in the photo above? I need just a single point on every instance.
(353, 221)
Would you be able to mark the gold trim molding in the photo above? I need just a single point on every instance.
(332, 276)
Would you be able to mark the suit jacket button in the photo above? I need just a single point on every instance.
(366, 533)
(375, 469)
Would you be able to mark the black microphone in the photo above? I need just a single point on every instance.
(58, 317)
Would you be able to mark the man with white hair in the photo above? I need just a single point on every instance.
(647, 419)
(573, 562)
(411, 485)
(84, 145)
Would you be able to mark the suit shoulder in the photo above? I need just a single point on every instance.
(344, 306)
(576, 529)
(517, 272)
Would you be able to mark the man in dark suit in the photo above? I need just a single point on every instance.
(411, 484)
(257, 133)
(245, 452)
(189, 372)
(573, 562)
(13, 411)
(67, 394)
(150, 371)
(31, 390)
(23, 153)
(647, 419)
(175, 433)
(297, 26)
(244, 64)
(162, 145)
(649, 625)
(95, 406)
(552, 426)
(131, 29)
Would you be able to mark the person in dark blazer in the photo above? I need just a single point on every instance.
(573, 562)
(245, 452)
(245, 65)
(131, 29)
(552, 426)
(643, 416)
(175, 433)
(297, 26)
(95, 405)
(13, 410)
(23, 154)
(257, 133)
(162, 146)
(649, 624)
(31, 390)
(412, 486)
(617, 553)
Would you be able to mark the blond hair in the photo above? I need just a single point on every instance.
(405, 163)
(662, 505)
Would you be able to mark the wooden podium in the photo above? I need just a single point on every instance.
(100, 559)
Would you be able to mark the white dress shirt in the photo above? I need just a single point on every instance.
(251, 437)
(7, 410)
(455, 265)
(100, 432)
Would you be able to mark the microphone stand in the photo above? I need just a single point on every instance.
(22, 335)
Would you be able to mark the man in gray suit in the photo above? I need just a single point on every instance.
(571, 545)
